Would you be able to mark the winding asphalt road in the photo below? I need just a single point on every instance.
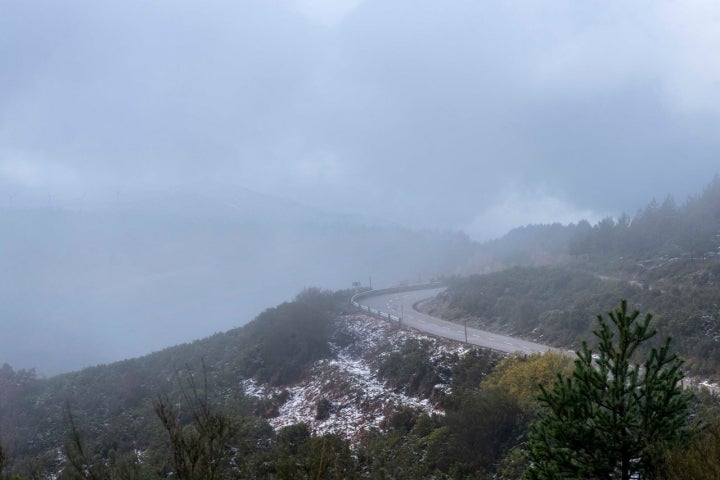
(401, 304)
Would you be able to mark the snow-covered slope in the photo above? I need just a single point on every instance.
(358, 399)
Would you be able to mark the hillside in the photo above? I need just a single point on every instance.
(309, 370)
(547, 283)
(309, 389)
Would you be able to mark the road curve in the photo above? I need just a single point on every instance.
(401, 304)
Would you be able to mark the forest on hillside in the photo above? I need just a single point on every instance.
(556, 279)
(690, 230)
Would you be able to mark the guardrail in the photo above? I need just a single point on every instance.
(384, 291)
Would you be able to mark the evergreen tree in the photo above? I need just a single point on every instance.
(613, 417)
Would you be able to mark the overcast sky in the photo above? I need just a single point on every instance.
(479, 115)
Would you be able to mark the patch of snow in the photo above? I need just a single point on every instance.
(253, 389)
(359, 399)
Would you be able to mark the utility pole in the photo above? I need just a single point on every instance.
(370, 282)
(401, 314)
(466, 331)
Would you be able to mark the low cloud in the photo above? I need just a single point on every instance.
(22, 171)
(326, 12)
(519, 209)
(422, 110)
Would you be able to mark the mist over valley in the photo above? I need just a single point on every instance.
(100, 282)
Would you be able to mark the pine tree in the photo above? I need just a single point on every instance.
(613, 417)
